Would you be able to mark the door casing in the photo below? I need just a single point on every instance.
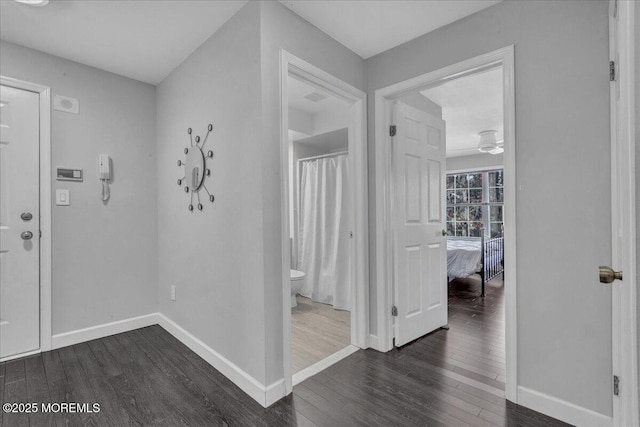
(44, 93)
(623, 213)
(384, 249)
(357, 99)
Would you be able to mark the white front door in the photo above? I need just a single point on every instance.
(19, 222)
(418, 212)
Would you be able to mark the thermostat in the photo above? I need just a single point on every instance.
(69, 174)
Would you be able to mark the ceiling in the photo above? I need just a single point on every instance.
(146, 39)
(470, 105)
(369, 27)
(297, 92)
(143, 40)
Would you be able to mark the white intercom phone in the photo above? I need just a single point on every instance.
(104, 175)
(104, 167)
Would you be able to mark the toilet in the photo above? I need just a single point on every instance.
(297, 282)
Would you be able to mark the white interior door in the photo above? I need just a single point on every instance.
(418, 212)
(19, 222)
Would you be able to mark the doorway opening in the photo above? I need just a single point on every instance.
(446, 227)
(320, 221)
(324, 219)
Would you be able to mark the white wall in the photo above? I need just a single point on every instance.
(562, 149)
(282, 29)
(327, 121)
(215, 257)
(422, 103)
(104, 256)
(485, 161)
(300, 121)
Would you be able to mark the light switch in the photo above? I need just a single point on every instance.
(62, 198)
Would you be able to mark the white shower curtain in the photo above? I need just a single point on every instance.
(325, 224)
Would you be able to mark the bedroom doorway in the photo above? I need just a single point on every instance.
(325, 259)
(470, 196)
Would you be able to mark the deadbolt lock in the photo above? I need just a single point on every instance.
(608, 275)
(26, 216)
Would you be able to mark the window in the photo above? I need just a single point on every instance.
(475, 203)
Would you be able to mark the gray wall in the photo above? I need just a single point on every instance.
(475, 161)
(215, 257)
(562, 149)
(637, 96)
(282, 29)
(104, 256)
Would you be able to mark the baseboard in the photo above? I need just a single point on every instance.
(561, 409)
(263, 395)
(373, 342)
(274, 392)
(100, 331)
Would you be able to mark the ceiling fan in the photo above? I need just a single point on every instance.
(489, 142)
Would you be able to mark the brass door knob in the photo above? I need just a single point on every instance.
(444, 232)
(26, 235)
(607, 275)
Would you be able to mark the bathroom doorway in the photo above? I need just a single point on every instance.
(324, 220)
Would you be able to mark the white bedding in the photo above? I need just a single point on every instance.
(464, 257)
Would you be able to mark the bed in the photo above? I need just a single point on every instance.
(470, 255)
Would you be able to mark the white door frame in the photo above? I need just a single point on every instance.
(384, 251)
(292, 65)
(44, 93)
(623, 204)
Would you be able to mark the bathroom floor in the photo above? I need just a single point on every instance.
(318, 331)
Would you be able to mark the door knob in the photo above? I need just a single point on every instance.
(26, 216)
(444, 232)
(607, 275)
(26, 235)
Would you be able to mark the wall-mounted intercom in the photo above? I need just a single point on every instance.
(104, 167)
(104, 175)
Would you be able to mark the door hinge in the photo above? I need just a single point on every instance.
(612, 71)
(392, 130)
(40, 232)
(616, 385)
(394, 311)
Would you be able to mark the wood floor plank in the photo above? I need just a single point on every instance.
(169, 392)
(59, 388)
(317, 331)
(38, 391)
(207, 392)
(15, 391)
(105, 394)
(82, 391)
(137, 387)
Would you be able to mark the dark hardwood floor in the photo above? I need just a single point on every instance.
(147, 377)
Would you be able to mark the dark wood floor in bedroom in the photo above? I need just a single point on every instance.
(147, 377)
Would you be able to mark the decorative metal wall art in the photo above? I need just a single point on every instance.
(196, 169)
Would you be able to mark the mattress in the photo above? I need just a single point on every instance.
(464, 257)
